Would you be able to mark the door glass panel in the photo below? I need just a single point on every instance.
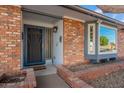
(34, 45)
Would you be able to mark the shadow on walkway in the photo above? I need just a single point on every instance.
(51, 81)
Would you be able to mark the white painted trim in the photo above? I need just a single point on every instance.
(98, 44)
(74, 19)
(115, 39)
(37, 23)
(94, 35)
(109, 26)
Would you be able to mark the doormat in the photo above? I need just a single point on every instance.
(39, 68)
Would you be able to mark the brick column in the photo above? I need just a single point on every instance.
(121, 44)
(10, 39)
(73, 42)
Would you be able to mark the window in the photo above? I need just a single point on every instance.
(91, 38)
(107, 39)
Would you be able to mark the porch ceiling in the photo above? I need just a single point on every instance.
(59, 12)
(36, 17)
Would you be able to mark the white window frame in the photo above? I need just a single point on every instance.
(110, 27)
(94, 33)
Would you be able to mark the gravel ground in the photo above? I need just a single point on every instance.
(113, 80)
(86, 66)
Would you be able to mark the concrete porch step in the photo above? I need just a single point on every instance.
(50, 69)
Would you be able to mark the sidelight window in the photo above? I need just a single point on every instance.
(91, 38)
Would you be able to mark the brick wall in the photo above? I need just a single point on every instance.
(121, 44)
(73, 42)
(10, 27)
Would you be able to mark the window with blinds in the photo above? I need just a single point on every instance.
(48, 43)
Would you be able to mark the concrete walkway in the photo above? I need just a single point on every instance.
(47, 78)
(51, 81)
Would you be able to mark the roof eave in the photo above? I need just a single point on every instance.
(94, 14)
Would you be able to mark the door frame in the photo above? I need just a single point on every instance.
(25, 46)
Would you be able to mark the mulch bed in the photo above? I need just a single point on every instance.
(80, 67)
(113, 80)
(18, 79)
(12, 78)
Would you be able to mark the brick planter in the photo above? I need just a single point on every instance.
(76, 79)
(71, 78)
(29, 81)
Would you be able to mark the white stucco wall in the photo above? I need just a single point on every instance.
(57, 45)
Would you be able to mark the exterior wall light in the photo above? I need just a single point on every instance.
(55, 28)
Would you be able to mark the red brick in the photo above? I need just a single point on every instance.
(73, 42)
(120, 44)
(10, 31)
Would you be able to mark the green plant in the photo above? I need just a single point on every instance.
(104, 40)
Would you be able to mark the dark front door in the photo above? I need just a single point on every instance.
(34, 46)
